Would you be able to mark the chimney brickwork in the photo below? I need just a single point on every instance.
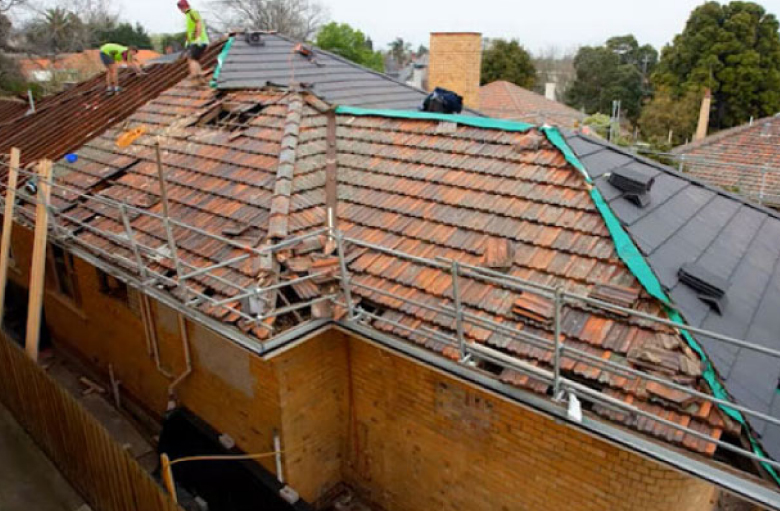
(456, 64)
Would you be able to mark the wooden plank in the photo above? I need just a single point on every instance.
(8, 224)
(106, 475)
(35, 307)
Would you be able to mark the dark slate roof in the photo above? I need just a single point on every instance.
(334, 79)
(691, 222)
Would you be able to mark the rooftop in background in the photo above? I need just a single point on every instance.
(506, 100)
(744, 160)
(83, 65)
(333, 78)
(688, 222)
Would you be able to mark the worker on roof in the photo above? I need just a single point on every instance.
(197, 37)
(112, 55)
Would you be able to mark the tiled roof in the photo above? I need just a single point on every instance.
(686, 222)
(69, 119)
(426, 188)
(744, 160)
(11, 109)
(331, 77)
(506, 100)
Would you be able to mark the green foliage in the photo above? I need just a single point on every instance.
(351, 44)
(401, 51)
(57, 31)
(124, 34)
(733, 49)
(176, 42)
(618, 70)
(599, 123)
(668, 115)
(508, 61)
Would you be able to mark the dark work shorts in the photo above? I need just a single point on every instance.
(195, 51)
(106, 59)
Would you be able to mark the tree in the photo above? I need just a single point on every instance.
(618, 70)
(125, 34)
(400, 50)
(669, 120)
(300, 19)
(351, 44)
(734, 50)
(57, 31)
(11, 79)
(509, 61)
(554, 65)
(174, 42)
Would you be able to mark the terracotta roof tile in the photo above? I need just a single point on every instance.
(744, 160)
(508, 101)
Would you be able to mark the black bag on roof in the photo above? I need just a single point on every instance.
(443, 101)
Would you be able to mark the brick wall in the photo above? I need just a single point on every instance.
(425, 441)
(406, 436)
(455, 64)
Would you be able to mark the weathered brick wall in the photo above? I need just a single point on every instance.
(455, 64)
(425, 441)
(313, 392)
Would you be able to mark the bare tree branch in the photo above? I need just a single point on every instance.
(300, 19)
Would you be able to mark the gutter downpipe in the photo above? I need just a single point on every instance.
(185, 342)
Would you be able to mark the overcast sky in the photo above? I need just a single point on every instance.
(537, 24)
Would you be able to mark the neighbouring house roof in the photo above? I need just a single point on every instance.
(423, 187)
(506, 100)
(69, 119)
(331, 77)
(744, 160)
(84, 63)
(688, 222)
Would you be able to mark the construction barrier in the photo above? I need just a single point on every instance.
(104, 473)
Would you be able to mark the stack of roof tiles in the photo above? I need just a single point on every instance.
(252, 165)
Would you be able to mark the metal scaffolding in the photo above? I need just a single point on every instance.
(63, 226)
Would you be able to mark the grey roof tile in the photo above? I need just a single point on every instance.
(689, 221)
(334, 79)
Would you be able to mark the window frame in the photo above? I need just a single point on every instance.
(68, 265)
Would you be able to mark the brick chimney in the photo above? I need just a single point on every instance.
(704, 116)
(456, 64)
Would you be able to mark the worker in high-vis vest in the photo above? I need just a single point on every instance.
(197, 37)
(112, 56)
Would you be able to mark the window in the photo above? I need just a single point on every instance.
(115, 288)
(111, 286)
(65, 274)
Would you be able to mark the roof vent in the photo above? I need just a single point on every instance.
(254, 39)
(634, 184)
(710, 287)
